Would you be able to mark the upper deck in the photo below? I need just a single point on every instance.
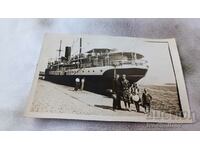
(99, 58)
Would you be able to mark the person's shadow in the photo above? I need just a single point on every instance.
(107, 107)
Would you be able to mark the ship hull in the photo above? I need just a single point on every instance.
(98, 83)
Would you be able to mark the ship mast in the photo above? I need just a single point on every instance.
(80, 51)
(59, 50)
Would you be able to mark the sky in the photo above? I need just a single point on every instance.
(157, 54)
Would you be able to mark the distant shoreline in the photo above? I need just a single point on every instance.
(164, 84)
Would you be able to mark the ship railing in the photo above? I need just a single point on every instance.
(131, 62)
(140, 62)
(114, 63)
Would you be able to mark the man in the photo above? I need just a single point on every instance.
(146, 100)
(117, 90)
(125, 92)
(82, 83)
(77, 84)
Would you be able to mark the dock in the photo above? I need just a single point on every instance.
(60, 99)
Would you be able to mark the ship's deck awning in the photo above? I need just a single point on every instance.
(116, 52)
(100, 50)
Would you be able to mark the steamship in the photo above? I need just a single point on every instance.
(97, 66)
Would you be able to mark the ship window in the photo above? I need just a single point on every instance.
(82, 71)
(88, 70)
(93, 70)
(101, 70)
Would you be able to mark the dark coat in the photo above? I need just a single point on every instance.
(146, 99)
(117, 86)
(125, 90)
(125, 85)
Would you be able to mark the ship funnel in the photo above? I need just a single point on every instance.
(67, 53)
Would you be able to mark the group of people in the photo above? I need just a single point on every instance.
(124, 91)
(79, 84)
(130, 94)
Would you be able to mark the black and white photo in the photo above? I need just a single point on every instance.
(110, 79)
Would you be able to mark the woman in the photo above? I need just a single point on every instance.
(134, 90)
(126, 92)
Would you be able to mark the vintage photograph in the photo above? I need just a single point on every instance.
(109, 78)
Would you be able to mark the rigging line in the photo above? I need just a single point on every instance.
(73, 43)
